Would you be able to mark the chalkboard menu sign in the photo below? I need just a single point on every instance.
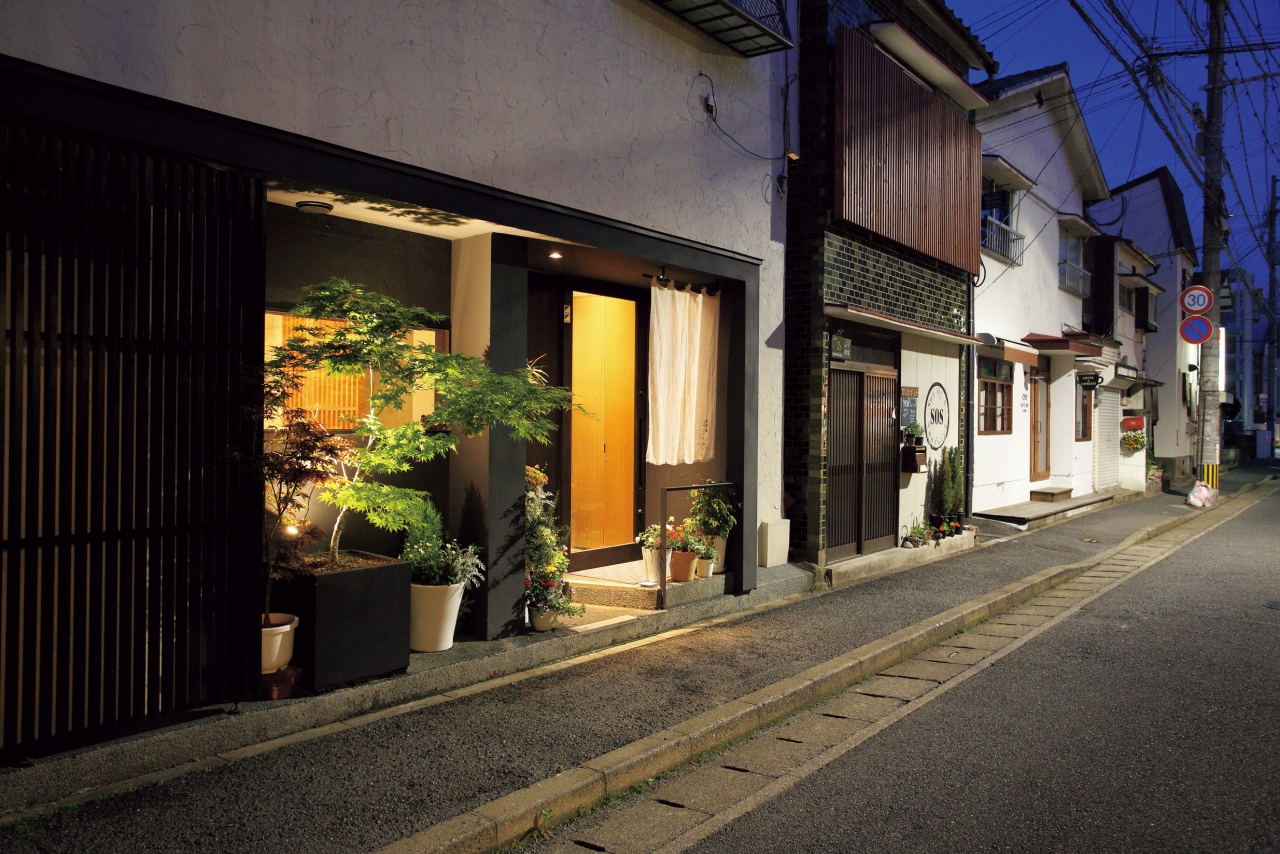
(907, 398)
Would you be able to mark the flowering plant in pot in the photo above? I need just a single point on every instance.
(360, 626)
(441, 570)
(712, 512)
(546, 556)
(683, 540)
(705, 553)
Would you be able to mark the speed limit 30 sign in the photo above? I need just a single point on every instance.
(1196, 299)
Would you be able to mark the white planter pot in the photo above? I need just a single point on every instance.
(719, 545)
(656, 563)
(705, 568)
(543, 622)
(277, 642)
(433, 616)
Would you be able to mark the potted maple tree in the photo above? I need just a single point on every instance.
(355, 606)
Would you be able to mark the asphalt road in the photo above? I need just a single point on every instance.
(1149, 721)
(360, 790)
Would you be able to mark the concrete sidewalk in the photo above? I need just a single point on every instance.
(359, 789)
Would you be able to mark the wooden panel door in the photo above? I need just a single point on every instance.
(880, 463)
(844, 463)
(1039, 427)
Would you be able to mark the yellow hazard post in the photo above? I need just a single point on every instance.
(1209, 474)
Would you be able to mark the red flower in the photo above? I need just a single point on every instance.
(528, 583)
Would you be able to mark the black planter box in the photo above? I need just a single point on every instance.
(353, 624)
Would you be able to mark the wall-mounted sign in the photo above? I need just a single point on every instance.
(841, 348)
(1196, 299)
(1196, 329)
(1134, 422)
(999, 200)
(908, 405)
(937, 416)
(1089, 382)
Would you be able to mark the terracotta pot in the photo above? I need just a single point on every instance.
(682, 566)
(543, 622)
(277, 642)
(653, 564)
(433, 616)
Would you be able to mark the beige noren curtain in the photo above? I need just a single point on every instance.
(684, 329)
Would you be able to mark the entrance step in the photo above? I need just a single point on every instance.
(1051, 493)
(598, 591)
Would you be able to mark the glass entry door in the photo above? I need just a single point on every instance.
(1039, 425)
(603, 458)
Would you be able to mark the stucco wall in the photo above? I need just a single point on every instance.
(926, 361)
(594, 104)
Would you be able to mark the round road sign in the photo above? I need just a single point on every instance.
(1196, 299)
(1196, 329)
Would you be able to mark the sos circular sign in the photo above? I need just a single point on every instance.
(1196, 299)
(937, 416)
(1196, 329)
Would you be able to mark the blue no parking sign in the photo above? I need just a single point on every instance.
(1196, 329)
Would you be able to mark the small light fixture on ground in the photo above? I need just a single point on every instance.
(313, 206)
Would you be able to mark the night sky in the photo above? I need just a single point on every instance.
(1028, 34)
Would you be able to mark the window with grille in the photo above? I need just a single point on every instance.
(995, 396)
(338, 402)
(1084, 414)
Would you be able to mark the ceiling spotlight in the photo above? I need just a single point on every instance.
(313, 207)
(556, 255)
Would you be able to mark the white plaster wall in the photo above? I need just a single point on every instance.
(1070, 462)
(1002, 462)
(1133, 467)
(926, 361)
(1139, 213)
(594, 104)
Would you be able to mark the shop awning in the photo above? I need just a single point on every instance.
(1050, 345)
(884, 321)
(1008, 351)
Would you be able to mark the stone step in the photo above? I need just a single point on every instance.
(1051, 493)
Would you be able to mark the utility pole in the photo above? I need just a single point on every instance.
(1273, 332)
(1211, 269)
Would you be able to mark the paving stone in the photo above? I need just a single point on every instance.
(710, 789)
(769, 755)
(1039, 610)
(817, 728)
(1003, 630)
(893, 686)
(935, 670)
(953, 655)
(1013, 619)
(640, 828)
(1065, 594)
(851, 704)
(968, 640)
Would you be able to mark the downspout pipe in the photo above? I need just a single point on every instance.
(971, 400)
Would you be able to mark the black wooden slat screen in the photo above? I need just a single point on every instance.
(132, 297)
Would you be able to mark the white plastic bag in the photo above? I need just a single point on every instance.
(1200, 495)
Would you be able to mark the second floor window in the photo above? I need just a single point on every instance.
(1072, 276)
(1126, 298)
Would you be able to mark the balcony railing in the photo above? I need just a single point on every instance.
(1001, 240)
(751, 27)
(1073, 279)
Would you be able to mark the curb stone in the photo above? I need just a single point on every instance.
(618, 770)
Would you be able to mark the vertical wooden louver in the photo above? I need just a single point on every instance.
(908, 166)
(131, 303)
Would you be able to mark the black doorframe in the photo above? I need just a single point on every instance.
(562, 481)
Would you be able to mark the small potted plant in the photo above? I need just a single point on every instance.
(441, 570)
(917, 535)
(706, 555)
(681, 540)
(914, 434)
(712, 511)
(655, 561)
(546, 556)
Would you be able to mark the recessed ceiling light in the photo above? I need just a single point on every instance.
(314, 207)
(556, 255)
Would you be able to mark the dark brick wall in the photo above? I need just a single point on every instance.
(830, 260)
